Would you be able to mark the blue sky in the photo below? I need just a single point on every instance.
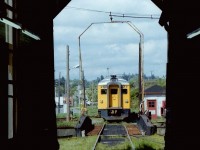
(106, 45)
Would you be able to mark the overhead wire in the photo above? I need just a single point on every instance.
(86, 9)
(117, 14)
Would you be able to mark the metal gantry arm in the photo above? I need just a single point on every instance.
(141, 47)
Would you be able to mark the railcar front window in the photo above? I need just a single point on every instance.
(113, 91)
(103, 91)
(124, 91)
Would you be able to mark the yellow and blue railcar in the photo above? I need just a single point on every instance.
(114, 98)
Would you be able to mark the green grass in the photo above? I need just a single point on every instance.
(159, 119)
(61, 115)
(92, 111)
(66, 123)
(77, 143)
(121, 146)
(153, 142)
(97, 121)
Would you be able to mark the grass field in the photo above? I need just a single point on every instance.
(153, 142)
(77, 143)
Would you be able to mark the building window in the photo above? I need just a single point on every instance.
(151, 104)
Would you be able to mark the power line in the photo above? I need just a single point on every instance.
(139, 17)
(117, 14)
(86, 9)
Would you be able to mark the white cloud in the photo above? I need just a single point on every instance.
(109, 45)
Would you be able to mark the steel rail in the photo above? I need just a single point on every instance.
(95, 144)
(132, 145)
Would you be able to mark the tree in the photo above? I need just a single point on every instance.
(91, 92)
(135, 99)
(102, 77)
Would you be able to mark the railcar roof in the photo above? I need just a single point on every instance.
(108, 79)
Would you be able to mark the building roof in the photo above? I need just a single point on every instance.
(155, 89)
(118, 79)
(60, 4)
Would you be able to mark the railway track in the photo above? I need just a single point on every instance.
(112, 135)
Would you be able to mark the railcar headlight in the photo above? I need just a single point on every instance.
(126, 101)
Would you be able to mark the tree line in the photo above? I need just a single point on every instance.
(91, 86)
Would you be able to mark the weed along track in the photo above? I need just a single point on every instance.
(113, 135)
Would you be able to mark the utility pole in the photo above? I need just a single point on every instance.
(84, 99)
(141, 81)
(67, 84)
(92, 93)
(59, 93)
(80, 75)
